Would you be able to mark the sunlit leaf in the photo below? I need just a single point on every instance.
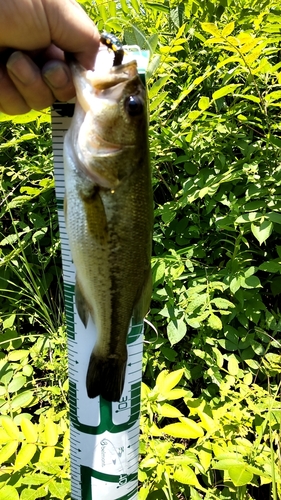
(263, 231)
(7, 451)
(228, 89)
(8, 492)
(239, 475)
(211, 28)
(228, 29)
(10, 427)
(29, 430)
(214, 322)
(185, 475)
(186, 429)
(51, 433)
(25, 455)
(233, 365)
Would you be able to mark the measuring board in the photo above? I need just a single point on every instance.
(104, 436)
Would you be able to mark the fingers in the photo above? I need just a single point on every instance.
(11, 102)
(24, 86)
(69, 17)
(43, 29)
(58, 77)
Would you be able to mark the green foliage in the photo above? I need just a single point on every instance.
(33, 436)
(226, 439)
(37, 455)
(215, 95)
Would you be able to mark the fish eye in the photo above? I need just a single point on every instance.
(134, 105)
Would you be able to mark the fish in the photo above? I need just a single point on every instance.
(109, 214)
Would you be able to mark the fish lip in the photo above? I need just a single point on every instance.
(90, 84)
(115, 76)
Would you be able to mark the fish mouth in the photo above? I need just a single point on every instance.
(91, 85)
(115, 76)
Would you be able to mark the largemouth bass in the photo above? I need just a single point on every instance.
(108, 212)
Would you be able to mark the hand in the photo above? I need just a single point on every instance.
(33, 37)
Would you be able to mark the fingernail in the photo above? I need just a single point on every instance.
(56, 75)
(22, 68)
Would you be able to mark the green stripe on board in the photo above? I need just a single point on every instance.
(87, 473)
(106, 422)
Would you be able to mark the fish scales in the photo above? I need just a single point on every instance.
(108, 210)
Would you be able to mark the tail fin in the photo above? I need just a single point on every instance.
(106, 376)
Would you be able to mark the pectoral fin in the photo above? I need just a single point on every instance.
(81, 304)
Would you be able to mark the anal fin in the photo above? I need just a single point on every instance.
(81, 305)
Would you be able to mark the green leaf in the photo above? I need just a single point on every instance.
(204, 103)
(28, 494)
(22, 400)
(251, 282)
(154, 90)
(175, 394)
(233, 365)
(158, 7)
(143, 492)
(194, 495)
(211, 28)
(239, 475)
(185, 429)
(57, 489)
(176, 330)
(17, 354)
(29, 430)
(219, 356)
(252, 364)
(273, 96)
(214, 322)
(9, 493)
(170, 381)
(274, 217)
(169, 411)
(228, 29)
(158, 271)
(25, 455)
(35, 479)
(228, 89)
(205, 455)
(7, 451)
(14, 141)
(235, 284)
(51, 433)
(10, 427)
(248, 217)
(193, 115)
(185, 475)
(227, 460)
(157, 103)
(221, 303)
(17, 383)
(9, 240)
(263, 231)
(47, 454)
(271, 266)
